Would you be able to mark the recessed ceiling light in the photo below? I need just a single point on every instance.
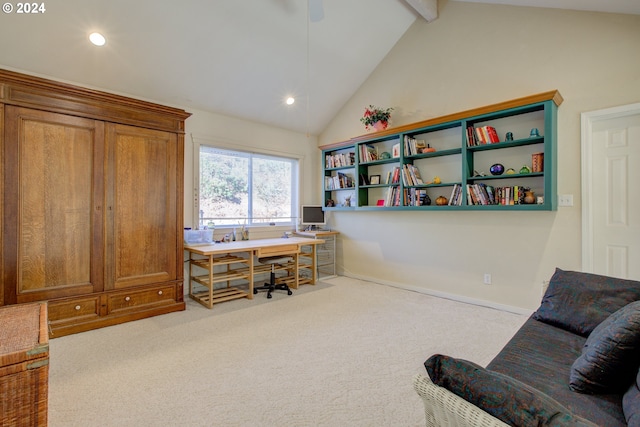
(97, 39)
(290, 100)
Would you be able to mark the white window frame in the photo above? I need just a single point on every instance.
(219, 143)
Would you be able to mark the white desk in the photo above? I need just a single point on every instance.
(233, 266)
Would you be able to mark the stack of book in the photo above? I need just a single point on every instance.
(481, 135)
(482, 194)
(411, 175)
(456, 195)
(368, 153)
(414, 196)
(340, 180)
(339, 160)
(413, 146)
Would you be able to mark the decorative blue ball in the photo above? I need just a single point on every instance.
(497, 169)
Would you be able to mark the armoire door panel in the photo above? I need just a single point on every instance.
(54, 207)
(142, 206)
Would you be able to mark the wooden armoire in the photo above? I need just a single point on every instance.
(91, 216)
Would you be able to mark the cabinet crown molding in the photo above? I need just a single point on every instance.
(40, 93)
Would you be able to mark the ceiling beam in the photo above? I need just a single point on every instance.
(428, 9)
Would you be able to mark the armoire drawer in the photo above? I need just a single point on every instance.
(86, 307)
(134, 299)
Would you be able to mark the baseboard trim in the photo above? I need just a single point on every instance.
(445, 295)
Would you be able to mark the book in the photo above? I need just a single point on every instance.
(456, 195)
(471, 139)
(493, 134)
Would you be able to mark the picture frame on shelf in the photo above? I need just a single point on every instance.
(395, 151)
(374, 180)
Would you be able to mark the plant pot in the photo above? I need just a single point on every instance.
(379, 125)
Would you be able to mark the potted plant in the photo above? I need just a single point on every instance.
(376, 118)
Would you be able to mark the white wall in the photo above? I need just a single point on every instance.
(212, 128)
(475, 55)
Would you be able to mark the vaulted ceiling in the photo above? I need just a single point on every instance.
(235, 57)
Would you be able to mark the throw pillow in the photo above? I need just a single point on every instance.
(611, 355)
(631, 403)
(578, 302)
(507, 399)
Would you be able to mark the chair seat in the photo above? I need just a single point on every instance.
(279, 259)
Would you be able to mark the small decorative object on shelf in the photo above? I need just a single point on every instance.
(496, 169)
(330, 203)
(428, 149)
(347, 201)
(510, 171)
(509, 136)
(525, 169)
(376, 118)
(529, 198)
(534, 133)
(441, 201)
(385, 155)
(537, 160)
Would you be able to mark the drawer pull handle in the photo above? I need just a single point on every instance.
(78, 307)
(159, 292)
(127, 298)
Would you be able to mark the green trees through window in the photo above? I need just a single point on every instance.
(246, 188)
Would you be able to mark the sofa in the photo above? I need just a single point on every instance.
(574, 362)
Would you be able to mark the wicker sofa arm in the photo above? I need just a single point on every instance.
(443, 408)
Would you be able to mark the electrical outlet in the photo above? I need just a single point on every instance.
(565, 200)
(487, 278)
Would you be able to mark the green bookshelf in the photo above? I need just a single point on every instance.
(466, 145)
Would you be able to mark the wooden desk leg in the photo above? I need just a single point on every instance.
(251, 265)
(297, 270)
(314, 266)
(210, 304)
(190, 275)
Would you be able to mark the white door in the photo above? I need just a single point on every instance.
(611, 200)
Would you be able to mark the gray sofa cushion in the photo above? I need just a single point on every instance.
(541, 356)
(631, 403)
(578, 302)
(505, 398)
(611, 355)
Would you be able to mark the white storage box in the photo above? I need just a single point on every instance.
(198, 236)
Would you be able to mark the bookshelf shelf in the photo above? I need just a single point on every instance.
(435, 154)
(505, 176)
(506, 144)
(466, 145)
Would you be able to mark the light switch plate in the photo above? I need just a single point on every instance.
(565, 200)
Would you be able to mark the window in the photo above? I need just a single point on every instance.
(237, 188)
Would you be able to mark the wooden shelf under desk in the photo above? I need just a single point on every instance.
(243, 271)
(234, 261)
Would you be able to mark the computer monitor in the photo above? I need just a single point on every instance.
(312, 216)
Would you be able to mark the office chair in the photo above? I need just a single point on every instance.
(274, 261)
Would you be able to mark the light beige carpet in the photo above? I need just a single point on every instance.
(341, 353)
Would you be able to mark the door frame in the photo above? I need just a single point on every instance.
(587, 120)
